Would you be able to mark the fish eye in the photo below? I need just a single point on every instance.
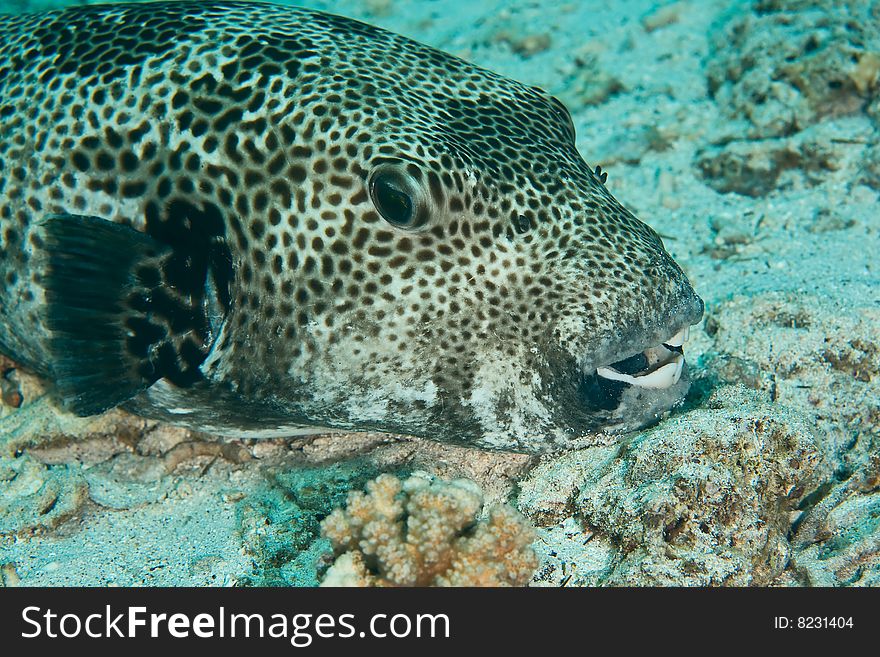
(398, 196)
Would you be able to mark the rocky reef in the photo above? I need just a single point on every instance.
(778, 71)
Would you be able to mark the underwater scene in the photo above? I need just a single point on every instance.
(498, 293)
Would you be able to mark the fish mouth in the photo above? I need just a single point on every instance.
(633, 391)
(655, 368)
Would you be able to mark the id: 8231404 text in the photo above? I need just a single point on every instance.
(812, 622)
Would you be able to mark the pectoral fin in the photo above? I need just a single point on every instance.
(115, 324)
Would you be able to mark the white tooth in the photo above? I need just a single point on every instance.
(614, 375)
(660, 379)
(679, 338)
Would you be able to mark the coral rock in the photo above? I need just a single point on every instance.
(420, 532)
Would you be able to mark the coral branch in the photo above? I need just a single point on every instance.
(421, 532)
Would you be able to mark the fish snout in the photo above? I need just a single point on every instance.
(638, 371)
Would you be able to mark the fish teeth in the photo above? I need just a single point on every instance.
(660, 379)
(679, 338)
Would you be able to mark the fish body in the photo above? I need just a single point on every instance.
(260, 220)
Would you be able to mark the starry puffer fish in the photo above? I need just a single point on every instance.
(258, 220)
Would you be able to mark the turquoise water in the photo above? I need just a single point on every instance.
(745, 134)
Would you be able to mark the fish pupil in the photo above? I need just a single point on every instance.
(392, 202)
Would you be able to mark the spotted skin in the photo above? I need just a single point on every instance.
(257, 128)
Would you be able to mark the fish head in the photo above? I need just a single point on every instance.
(452, 267)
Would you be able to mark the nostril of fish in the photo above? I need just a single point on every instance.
(521, 224)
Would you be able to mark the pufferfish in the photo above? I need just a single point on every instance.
(257, 220)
